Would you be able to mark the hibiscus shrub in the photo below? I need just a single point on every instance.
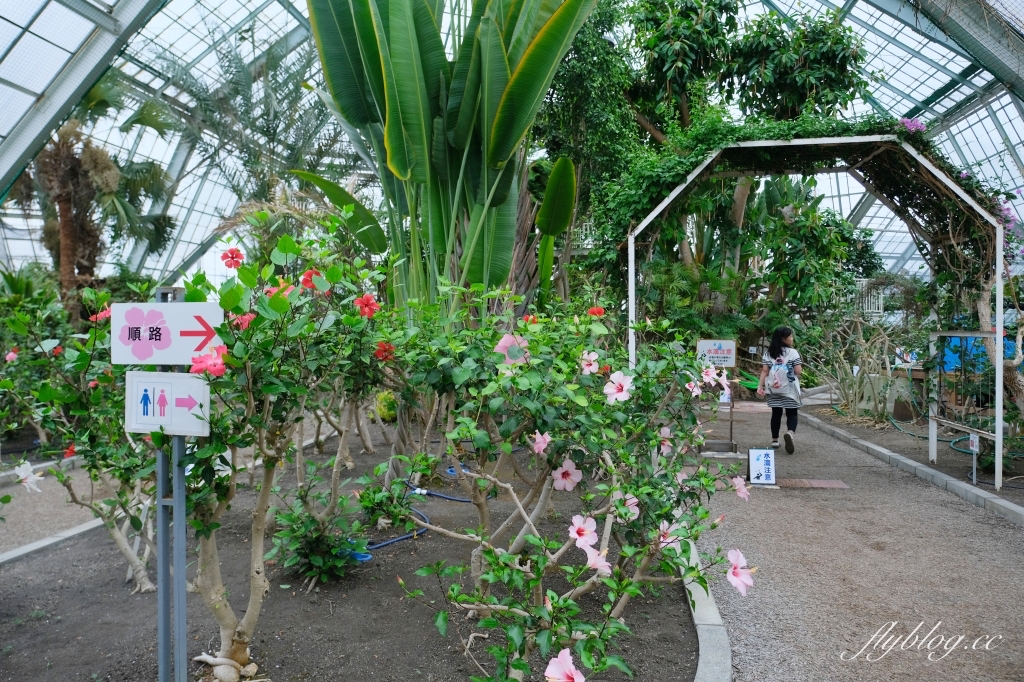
(621, 441)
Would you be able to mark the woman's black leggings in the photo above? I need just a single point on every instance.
(791, 420)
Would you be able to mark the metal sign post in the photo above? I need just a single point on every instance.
(176, 404)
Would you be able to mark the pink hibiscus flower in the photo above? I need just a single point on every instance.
(508, 341)
(540, 442)
(232, 258)
(709, 375)
(589, 362)
(101, 315)
(11, 357)
(741, 487)
(145, 331)
(666, 440)
(739, 575)
(584, 531)
(596, 561)
(561, 669)
(693, 388)
(212, 362)
(281, 284)
(242, 321)
(618, 387)
(631, 503)
(665, 536)
(567, 476)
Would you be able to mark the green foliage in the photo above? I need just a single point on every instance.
(784, 68)
(386, 406)
(315, 548)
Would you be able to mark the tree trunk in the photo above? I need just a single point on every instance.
(68, 249)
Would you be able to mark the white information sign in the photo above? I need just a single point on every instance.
(162, 333)
(719, 352)
(975, 441)
(177, 404)
(761, 464)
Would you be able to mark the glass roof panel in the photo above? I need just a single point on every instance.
(60, 26)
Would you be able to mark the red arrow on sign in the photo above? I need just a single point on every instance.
(188, 403)
(206, 332)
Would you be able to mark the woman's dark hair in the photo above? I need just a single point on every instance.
(776, 347)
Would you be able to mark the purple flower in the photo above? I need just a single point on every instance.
(965, 174)
(913, 125)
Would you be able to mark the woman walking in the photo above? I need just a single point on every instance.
(780, 372)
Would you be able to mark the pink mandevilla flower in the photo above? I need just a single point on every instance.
(567, 476)
(631, 503)
(618, 387)
(584, 531)
(665, 537)
(589, 362)
(694, 388)
(666, 440)
(540, 442)
(739, 575)
(506, 342)
(561, 669)
(741, 487)
(596, 561)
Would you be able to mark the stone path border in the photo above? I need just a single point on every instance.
(976, 496)
(714, 652)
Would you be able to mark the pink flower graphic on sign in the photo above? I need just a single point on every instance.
(145, 331)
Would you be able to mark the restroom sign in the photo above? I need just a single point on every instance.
(162, 333)
(177, 404)
(761, 466)
(719, 352)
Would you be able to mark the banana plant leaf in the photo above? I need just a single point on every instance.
(364, 225)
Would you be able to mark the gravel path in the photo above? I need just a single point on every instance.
(836, 565)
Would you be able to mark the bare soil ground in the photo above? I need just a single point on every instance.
(67, 614)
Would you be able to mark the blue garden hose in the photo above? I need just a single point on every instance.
(362, 557)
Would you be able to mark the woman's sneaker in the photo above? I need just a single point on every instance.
(788, 437)
(775, 443)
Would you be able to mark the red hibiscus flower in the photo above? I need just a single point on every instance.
(367, 306)
(307, 278)
(70, 452)
(270, 291)
(385, 351)
(58, 350)
(530, 319)
(232, 258)
(605, 369)
(596, 311)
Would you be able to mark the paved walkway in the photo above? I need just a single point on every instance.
(837, 565)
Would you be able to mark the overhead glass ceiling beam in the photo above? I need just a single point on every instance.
(904, 257)
(176, 169)
(67, 89)
(984, 34)
(860, 210)
(953, 84)
(93, 13)
(904, 12)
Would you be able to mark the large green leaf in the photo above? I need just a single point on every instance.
(532, 78)
(335, 34)
(522, 32)
(436, 70)
(494, 75)
(369, 49)
(410, 87)
(462, 95)
(355, 137)
(492, 254)
(399, 156)
(559, 199)
(545, 262)
(363, 224)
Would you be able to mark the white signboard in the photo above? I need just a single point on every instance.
(719, 352)
(975, 442)
(761, 464)
(162, 333)
(177, 404)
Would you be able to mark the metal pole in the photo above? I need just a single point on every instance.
(933, 405)
(1000, 354)
(632, 302)
(180, 526)
(163, 569)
